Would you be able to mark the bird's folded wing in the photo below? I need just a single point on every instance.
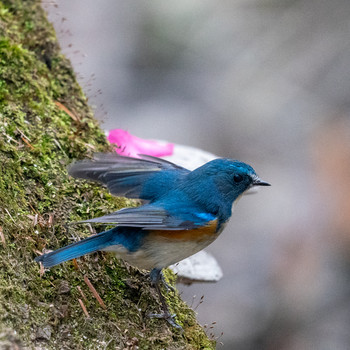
(124, 176)
(152, 218)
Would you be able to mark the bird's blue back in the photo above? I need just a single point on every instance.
(183, 212)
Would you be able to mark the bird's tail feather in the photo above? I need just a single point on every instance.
(76, 250)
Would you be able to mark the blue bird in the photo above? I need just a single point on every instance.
(184, 211)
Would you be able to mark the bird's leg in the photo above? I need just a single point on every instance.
(157, 277)
(167, 286)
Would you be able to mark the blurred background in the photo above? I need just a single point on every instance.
(263, 81)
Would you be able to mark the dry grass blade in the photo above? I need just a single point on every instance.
(10, 215)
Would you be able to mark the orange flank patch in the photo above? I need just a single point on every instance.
(196, 234)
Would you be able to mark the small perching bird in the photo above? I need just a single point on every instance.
(184, 212)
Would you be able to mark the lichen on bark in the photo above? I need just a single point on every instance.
(45, 123)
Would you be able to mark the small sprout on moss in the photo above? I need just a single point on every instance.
(201, 300)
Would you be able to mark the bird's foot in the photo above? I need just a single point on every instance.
(170, 318)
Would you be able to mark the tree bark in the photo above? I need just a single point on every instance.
(45, 123)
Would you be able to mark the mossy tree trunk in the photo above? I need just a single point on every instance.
(45, 123)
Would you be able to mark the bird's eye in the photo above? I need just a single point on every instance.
(237, 178)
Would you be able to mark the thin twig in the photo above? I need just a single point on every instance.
(84, 308)
(75, 263)
(62, 107)
(9, 138)
(32, 208)
(94, 292)
(23, 135)
(27, 142)
(82, 293)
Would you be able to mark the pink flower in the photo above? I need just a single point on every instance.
(129, 145)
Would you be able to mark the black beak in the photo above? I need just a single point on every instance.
(259, 182)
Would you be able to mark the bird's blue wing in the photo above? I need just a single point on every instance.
(150, 217)
(129, 177)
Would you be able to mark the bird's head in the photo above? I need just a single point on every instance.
(231, 177)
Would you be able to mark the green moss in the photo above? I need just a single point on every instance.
(45, 123)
